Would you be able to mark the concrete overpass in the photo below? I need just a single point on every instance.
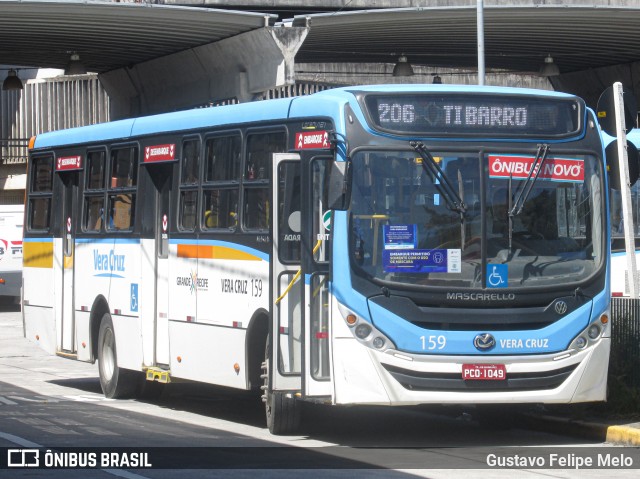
(167, 56)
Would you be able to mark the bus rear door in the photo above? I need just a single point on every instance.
(68, 174)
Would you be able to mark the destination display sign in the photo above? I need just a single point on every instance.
(453, 114)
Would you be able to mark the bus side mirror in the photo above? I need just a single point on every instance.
(339, 188)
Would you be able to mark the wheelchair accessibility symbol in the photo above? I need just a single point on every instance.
(497, 275)
(134, 297)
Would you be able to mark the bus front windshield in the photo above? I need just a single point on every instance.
(409, 226)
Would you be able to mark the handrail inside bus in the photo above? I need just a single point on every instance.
(296, 276)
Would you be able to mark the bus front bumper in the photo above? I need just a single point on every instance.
(366, 376)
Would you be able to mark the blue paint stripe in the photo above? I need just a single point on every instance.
(108, 240)
(37, 240)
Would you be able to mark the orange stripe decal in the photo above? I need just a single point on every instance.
(187, 251)
(214, 252)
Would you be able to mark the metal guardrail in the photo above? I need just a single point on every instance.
(625, 341)
(13, 151)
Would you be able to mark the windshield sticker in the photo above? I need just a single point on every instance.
(497, 275)
(421, 261)
(400, 236)
(519, 167)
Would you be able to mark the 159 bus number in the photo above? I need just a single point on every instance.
(430, 343)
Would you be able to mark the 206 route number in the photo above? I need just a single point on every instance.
(484, 372)
(429, 343)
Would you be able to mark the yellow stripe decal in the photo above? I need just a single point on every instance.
(37, 254)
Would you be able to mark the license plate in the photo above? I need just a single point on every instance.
(484, 372)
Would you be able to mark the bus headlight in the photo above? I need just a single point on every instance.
(594, 331)
(581, 342)
(362, 331)
(591, 334)
(365, 332)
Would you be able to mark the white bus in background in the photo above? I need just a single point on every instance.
(11, 223)
(619, 277)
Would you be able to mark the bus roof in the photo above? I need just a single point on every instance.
(423, 87)
(269, 110)
(175, 121)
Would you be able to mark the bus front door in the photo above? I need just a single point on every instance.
(68, 218)
(299, 294)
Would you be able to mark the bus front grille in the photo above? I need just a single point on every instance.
(429, 381)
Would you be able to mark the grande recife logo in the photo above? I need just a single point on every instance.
(553, 169)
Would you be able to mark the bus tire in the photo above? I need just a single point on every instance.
(115, 381)
(283, 412)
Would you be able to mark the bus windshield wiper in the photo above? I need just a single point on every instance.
(534, 172)
(440, 180)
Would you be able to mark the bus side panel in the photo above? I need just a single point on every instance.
(91, 273)
(38, 293)
(209, 354)
(144, 301)
(40, 327)
(183, 274)
(232, 286)
(125, 262)
(230, 290)
(111, 268)
(215, 289)
(83, 335)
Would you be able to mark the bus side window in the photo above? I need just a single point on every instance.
(94, 213)
(94, 191)
(188, 208)
(121, 212)
(41, 189)
(259, 151)
(190, 172)
(256, 209)
(221, 183)
(121, 204)
(220, 209)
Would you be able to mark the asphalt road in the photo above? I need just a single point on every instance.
(55, 404)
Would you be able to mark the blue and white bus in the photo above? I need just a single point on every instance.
(371, 245)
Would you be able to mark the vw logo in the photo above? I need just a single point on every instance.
(484, 341)
(561, 307)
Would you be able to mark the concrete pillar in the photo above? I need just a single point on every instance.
(238, 67)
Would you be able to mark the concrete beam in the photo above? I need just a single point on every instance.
(590, 84)
(239, 67)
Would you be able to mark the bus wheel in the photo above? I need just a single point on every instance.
(115, 381)
(283, 412)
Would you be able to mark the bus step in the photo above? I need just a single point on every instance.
(159, 375)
